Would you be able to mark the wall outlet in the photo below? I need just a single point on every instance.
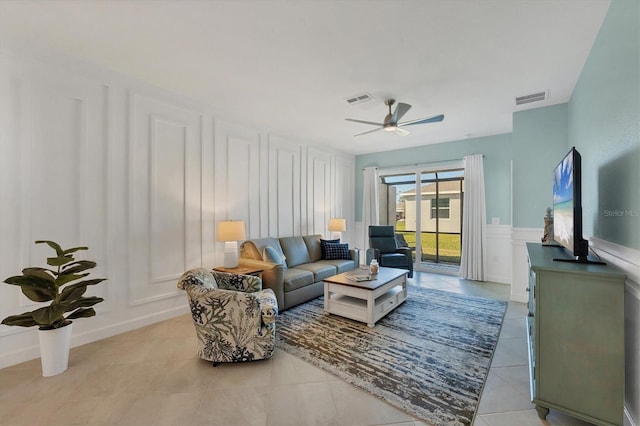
(495, 221)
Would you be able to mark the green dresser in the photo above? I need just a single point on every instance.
(575, 334)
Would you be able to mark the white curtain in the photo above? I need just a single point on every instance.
(370, 205)
(474, 223)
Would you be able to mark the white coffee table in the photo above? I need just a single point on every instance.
(365, 301)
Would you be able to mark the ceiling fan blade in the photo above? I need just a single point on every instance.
(364, 122)
(433, 119)
(400, 111)
(370, 131)
(401, 132)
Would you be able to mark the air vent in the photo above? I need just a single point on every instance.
(359, 99)
(534, 97)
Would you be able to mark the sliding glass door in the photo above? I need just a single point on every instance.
(426, 208)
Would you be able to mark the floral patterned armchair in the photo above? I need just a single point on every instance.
(234, 318)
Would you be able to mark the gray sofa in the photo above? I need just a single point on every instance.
(296, 273)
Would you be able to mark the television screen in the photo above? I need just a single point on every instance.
(564, 202)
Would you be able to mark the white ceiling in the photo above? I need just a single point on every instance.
(287, 67)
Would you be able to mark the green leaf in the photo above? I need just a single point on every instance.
(82, 313)
(92, 282)
(30, 280)
(49, 315)
(84, 302)
(53, 245)
(59, 261)
(65, 278)
(22, 320)
(38, 294)
(43, 273)
(72, 293)
(34, 287)
(79, 266)
(75, 249)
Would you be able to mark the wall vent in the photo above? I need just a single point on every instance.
(359, 99)
(534, 97)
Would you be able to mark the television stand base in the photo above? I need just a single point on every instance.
(581, 260)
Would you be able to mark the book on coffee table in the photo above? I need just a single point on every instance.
(360, 278)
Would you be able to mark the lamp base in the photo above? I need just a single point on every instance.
(230, 254)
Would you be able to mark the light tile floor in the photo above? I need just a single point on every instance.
(152, 376)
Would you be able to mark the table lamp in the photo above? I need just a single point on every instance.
(230, 231)
(337, 226)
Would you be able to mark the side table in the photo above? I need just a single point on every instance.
(240, 270)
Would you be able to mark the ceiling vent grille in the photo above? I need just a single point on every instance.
(359, 99)
(534, 97)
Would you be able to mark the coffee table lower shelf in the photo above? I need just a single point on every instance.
(363, 304)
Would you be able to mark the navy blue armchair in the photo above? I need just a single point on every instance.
(384, 248)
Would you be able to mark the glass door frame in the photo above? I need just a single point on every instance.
(417, 170)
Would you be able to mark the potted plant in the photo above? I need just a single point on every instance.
(58, 285)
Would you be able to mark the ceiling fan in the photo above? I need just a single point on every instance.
(391, 120)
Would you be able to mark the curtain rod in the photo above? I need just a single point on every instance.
(432, 164)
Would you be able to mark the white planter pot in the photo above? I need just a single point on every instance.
(54, 349)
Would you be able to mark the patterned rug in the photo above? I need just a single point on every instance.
(429, 357)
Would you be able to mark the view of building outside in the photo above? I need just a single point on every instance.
(440, 213)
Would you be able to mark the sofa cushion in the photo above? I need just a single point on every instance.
(297, 278)
(341, 265)
(337, 251)
(270, 254)
(323, 246)
(254, 249)
(295, 250)
(314, 246)
(320, 270)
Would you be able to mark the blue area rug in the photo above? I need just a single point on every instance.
(429, 357)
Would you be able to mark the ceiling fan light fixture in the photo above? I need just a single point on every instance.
(390, 127)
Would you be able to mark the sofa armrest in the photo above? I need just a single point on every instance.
(372, 253)
(268, 306)
(355, 256)
(272, 276)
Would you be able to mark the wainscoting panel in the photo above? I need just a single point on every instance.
(140, 176)
(628, 260)
(165, 196)
(520, 267)
(284, 188)
(238, 183)
(344, 195)
(319, 191)
(499, 254)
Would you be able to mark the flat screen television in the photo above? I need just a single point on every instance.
(567, 208)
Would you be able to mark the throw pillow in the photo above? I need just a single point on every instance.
(323, 245)
(338, 251)
(270, 254)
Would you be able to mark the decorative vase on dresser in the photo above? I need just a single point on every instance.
(575, 335)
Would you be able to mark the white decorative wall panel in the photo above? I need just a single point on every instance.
(284, 188)
(344, 195)
(168, 187)
(240, 187)
(165, 217)
(498, 255)
(140, 176)
(319, 193)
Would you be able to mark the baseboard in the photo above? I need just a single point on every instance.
(33, 351)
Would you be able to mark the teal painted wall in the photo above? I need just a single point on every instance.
(604, 116)
(497, 168)
(539, 143)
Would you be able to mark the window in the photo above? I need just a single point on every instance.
(442, 211)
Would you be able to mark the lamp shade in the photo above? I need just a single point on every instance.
(337, 225)
(231, 230)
